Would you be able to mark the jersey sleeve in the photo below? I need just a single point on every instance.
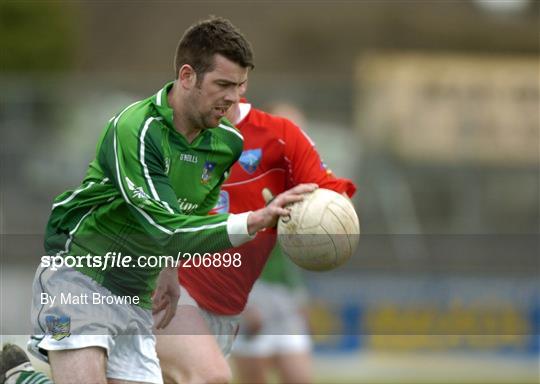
(136, 165)
(305, 164)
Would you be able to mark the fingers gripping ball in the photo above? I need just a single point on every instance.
(267, 196)
(321, 232)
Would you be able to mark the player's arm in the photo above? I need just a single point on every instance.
(306, 164)
(133, 158)
(135, 163)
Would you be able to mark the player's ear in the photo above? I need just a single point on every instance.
(187, 77)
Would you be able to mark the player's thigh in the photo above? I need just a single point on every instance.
(85, 365)
(251, 370)
(188, 351)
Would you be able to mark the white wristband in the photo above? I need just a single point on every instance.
(237, 229)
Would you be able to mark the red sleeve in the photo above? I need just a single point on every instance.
(305, 165)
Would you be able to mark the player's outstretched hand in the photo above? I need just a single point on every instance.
(267, 217)
(166, 295)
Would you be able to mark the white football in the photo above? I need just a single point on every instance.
(321, 232)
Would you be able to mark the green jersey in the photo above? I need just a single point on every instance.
(147, 192)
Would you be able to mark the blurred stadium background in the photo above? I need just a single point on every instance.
(432, 107)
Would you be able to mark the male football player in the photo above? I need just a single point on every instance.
(159, 166)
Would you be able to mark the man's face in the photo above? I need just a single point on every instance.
(216, 93)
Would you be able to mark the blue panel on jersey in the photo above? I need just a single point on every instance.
(222, 205)
(250, 160)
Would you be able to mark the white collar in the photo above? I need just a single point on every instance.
(244, 109)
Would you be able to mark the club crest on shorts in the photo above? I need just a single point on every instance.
(58, 326)
(250, 160)
(207, 171)
(222, 205)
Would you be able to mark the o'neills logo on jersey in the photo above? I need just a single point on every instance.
(189, 158)
(186, 206)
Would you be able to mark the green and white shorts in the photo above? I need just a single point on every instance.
(72, 311)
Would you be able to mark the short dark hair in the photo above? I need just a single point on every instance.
(206, 38)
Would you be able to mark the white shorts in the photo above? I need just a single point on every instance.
(123, 330)
(224, 328)
(284, 329)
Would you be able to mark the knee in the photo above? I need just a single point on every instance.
(216, 375)
(219, 376)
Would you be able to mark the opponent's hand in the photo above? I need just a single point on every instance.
(166, 295)
(267, 195)
(267, 217)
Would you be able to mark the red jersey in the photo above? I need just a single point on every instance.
(277, 155)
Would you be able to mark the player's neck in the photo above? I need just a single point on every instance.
(181, 124)
(184, 127)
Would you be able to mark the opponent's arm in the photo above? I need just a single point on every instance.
(306, 163)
